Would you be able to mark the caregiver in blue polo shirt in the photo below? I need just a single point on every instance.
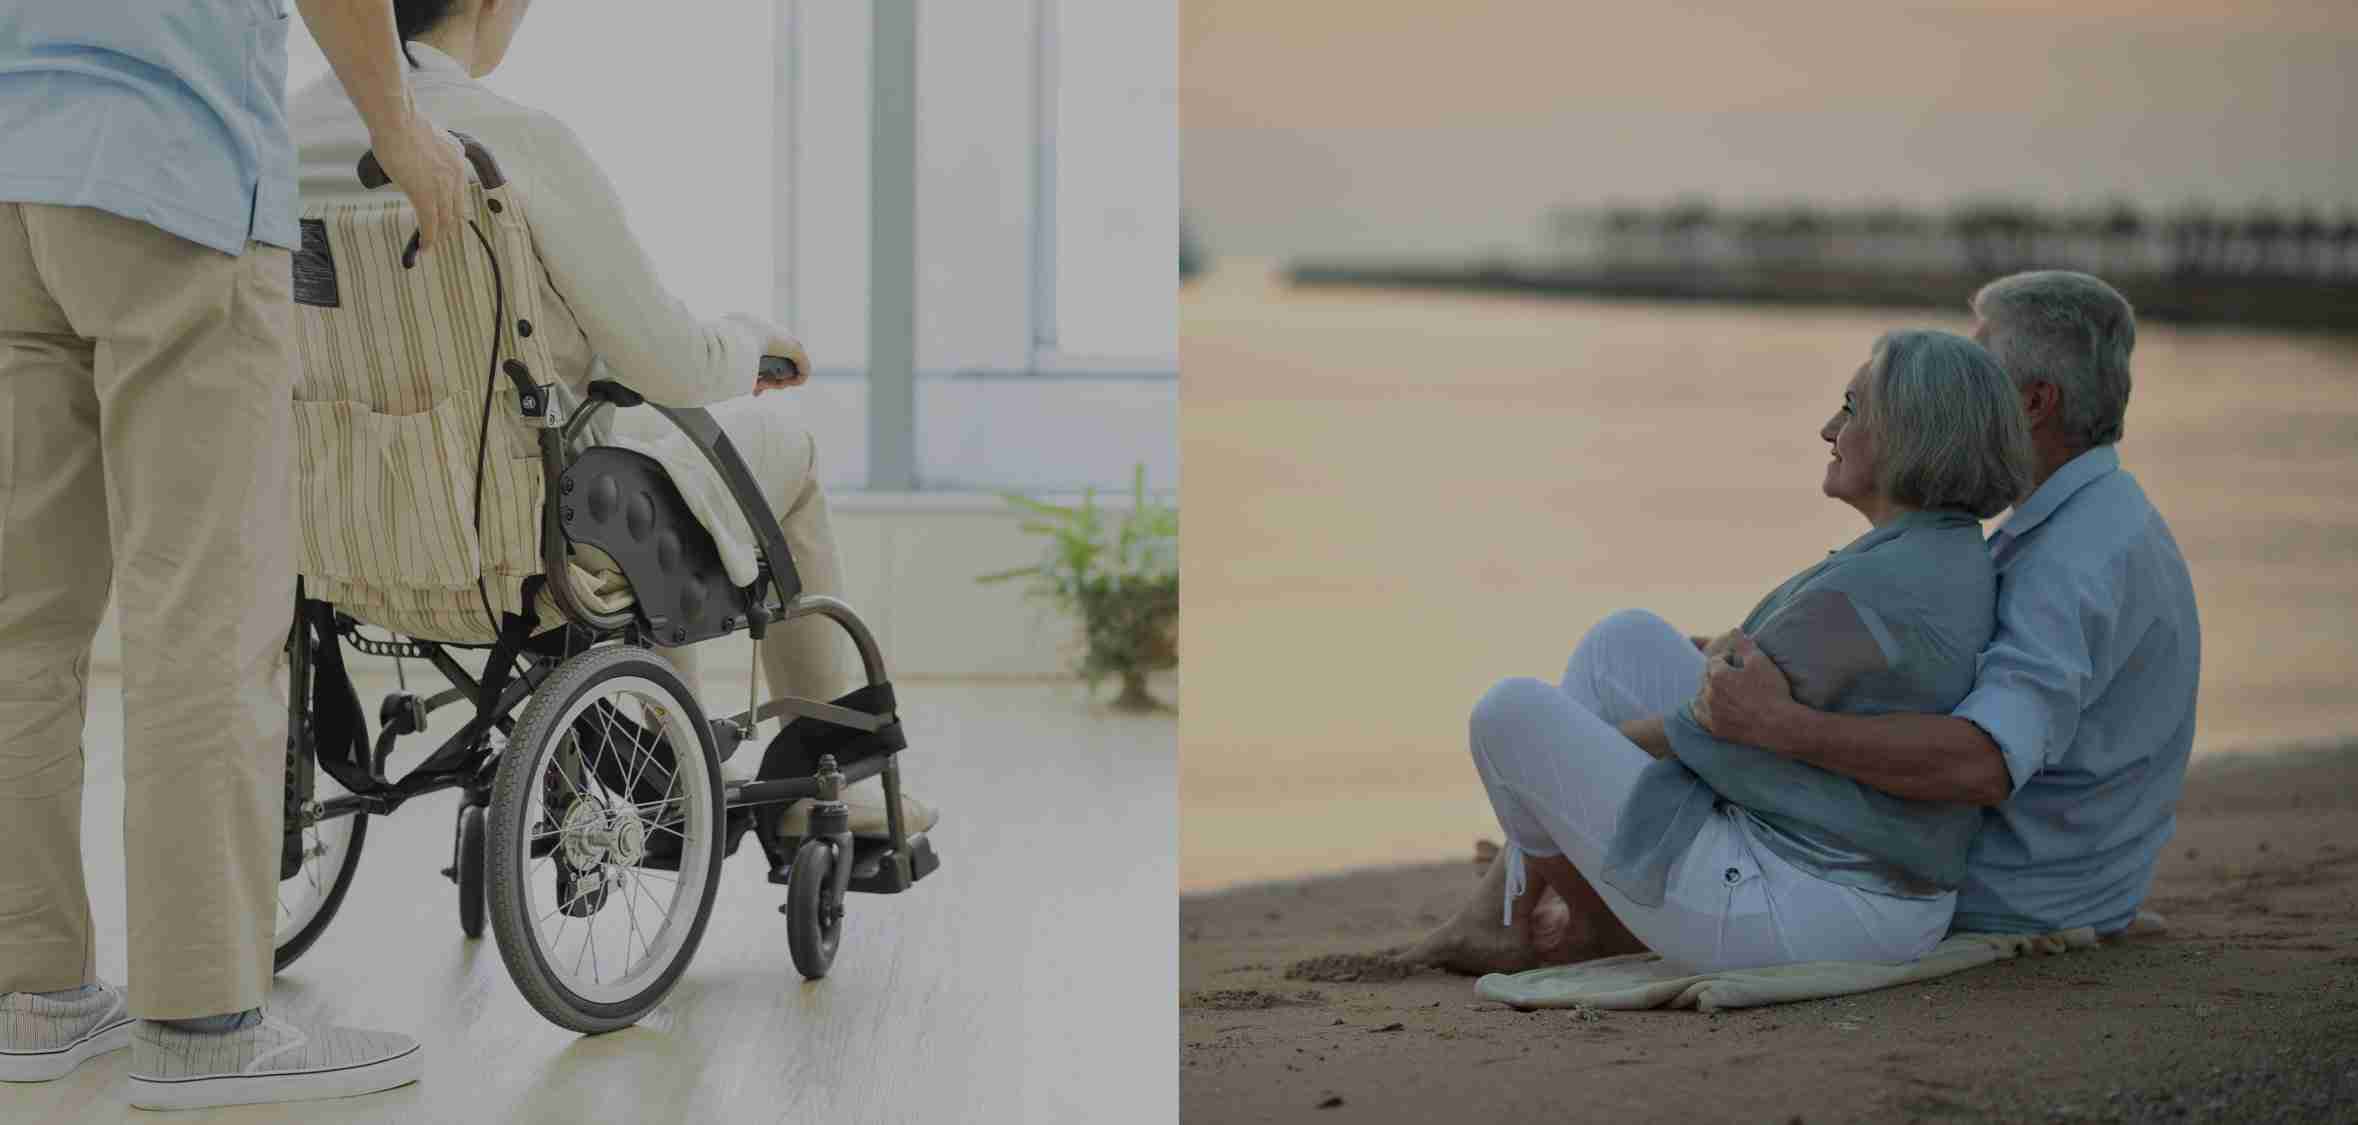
(2076, 734)
(147, 214)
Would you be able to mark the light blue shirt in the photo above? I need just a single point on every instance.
(171, 112)
(2088, 690)
(1891, 622)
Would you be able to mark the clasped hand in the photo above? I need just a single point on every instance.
(1741, 691)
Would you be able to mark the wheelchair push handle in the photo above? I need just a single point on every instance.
(372, 174)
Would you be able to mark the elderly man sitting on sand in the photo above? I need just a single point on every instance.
(2075, 736)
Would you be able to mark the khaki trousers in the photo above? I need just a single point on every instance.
(145, 444)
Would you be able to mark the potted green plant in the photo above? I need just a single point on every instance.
(1120, 577)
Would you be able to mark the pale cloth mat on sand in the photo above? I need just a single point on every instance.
(1642, 980)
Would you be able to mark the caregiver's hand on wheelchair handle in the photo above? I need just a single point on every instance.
(429, 167)
(1742, 694)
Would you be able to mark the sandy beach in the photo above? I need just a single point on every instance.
(2245, 1009)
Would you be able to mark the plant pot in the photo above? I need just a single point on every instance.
(1156, 650)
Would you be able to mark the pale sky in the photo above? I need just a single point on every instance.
(1338, 126)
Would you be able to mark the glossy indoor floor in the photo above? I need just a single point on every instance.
(1032, 978)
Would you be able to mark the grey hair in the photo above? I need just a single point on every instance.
(2071, 330)
(1947, 424)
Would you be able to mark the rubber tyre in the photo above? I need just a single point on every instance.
(510, 816)
(301, 940)
(811, 935)
(470, 870)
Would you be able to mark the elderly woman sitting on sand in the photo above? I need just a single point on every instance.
(1719, 856)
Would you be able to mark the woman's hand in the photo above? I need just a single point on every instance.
(775, 342)
(798, 369)
(1721, 645)
(1743, 696)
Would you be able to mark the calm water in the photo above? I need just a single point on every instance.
(1394, 500)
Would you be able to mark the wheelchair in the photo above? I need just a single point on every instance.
(594, 816)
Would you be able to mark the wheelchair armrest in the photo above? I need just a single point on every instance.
(372, 174)
(611, 391)
(706, 435)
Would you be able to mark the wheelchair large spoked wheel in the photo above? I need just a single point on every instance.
(308, 902)
(605, 839)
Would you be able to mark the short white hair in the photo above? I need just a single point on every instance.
(1947, 424)
(2071, 330)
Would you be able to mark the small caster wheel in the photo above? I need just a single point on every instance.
(814, 912)
(469, 873)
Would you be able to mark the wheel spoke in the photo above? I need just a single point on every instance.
(631, 905)
(590, 937)
(646, 758)
(656, 904)
(605, 734)
(578, 952)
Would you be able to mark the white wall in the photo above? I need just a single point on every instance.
(1117, 189)
(822, 187)
(988, 101)
(984, 434)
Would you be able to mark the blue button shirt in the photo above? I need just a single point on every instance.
(2088, 690)
(171, 112)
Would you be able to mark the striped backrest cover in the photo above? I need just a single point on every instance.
(389, 405)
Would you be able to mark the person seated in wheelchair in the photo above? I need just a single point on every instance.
(603, 312)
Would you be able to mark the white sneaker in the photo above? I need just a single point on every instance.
(269, 1061)
(42, 1039)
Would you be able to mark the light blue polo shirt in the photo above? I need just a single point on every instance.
(2088, 689)
(171, 112)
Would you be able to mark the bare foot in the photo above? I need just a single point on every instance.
(1551, 935)
(1542, 933)
(1474, 950)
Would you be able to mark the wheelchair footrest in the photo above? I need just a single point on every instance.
(873, 869)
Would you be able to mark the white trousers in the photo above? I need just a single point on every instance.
(1558, 769)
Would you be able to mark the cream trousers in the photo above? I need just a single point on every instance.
(145, 448)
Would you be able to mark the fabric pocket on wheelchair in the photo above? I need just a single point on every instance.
(385, 500)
